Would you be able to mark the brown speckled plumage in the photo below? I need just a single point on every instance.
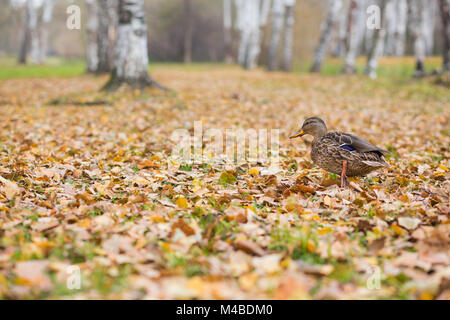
(327, 153)
(341, 153)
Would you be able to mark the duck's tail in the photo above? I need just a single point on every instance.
(377, 164)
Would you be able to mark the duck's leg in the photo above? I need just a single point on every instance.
(344, 180)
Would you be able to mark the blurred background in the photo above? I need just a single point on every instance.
(287, 36)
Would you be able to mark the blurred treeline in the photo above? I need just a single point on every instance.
(166, 30)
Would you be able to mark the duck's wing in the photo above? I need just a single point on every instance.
(350, 142)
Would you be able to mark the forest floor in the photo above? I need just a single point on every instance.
(87, 188)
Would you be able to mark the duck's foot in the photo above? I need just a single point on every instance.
(344, 179)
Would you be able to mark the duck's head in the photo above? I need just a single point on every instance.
(313, 126)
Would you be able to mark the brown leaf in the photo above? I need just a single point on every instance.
(183, 226)
(377, 244)
(88, 199)
(248, 246)
(363, 225)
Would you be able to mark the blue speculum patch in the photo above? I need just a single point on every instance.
(349, 148)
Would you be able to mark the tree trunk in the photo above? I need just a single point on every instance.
(26, 38)
(341, 32)
(377, 42)
(417, 24)
(227, 27)
(104, 49)
(92, 27)
(354, 30)
(131, 61)
(187, 55)
(46, 18)
(429, 25)
(277, 25)
(444, 8)
(330, 24)
(35, 45)
(401, 9)
(286, 63)
(249, 16)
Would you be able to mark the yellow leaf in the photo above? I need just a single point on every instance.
(285, 263)
(182, 202)
(444, 168)
(324, 231)
(156, 218)
(253, 171)
(22, 281)
(426, 296)
(397, 229)
(3, 280)
(311, 246)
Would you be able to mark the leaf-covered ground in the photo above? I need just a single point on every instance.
(85, 182)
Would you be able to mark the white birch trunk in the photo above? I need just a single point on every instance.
(397, 18)
(25, 44)
(47, 14)
(33, 7)
(391, 26)
(264, 12)
(249, 46)
(104, 50)
(227, 27)
(354, 34)
(131, 60)
(341, 30)
(377, 42)
(429, 25)
(325, 38)
(92, 26)
(401, 8)
(286, 63)
(242, 28)
(277, 25)
(418, 32)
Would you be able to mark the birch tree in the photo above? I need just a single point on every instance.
(227, 29)
(105, 39)
(33, 7)
(131, 56)
(31, 36)
(286, 63)
(277, 25)
(418, 32)
(26, 33)
(444, 9)
(341, 31)
(331, 22)
(429, 25)
(399, 19)
(252, 16)
(47, 13)
(92, 27)
(377, 42)
(354, 32)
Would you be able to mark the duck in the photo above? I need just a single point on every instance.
(341, 153)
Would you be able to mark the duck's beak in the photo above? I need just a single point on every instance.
(299, 133)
